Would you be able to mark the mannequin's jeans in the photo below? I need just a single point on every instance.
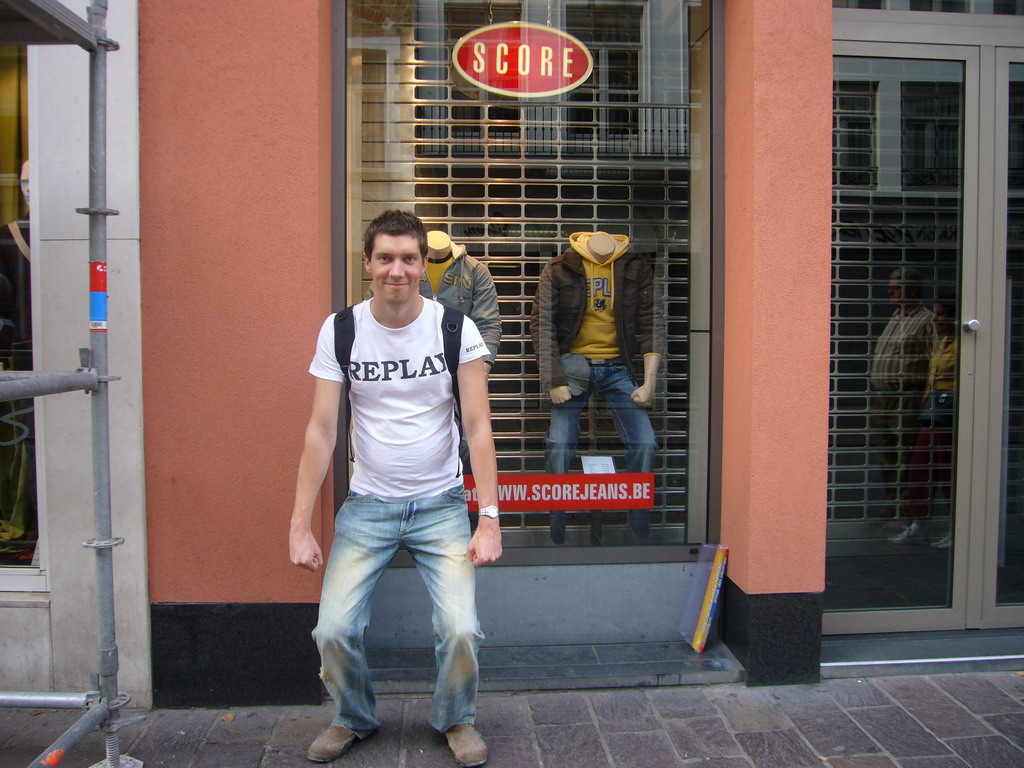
(613, 382)
(368, 532)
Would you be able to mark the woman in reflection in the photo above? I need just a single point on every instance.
(931, 466)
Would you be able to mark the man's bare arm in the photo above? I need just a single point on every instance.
(317, 450)
(485, 546)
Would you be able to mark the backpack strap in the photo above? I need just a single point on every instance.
(344, 336)
(451, 334)
(451, 330)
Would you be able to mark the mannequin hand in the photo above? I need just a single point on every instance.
(643, 395)
(560, 395)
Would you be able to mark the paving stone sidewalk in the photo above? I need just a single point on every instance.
(934, 721)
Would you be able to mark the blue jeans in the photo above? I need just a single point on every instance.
(612, 381)
(368, 532)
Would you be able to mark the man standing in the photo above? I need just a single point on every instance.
(899, 375)
(406, 489)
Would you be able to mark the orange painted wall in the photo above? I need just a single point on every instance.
(235, 136)
(235, 132)
(778, 105)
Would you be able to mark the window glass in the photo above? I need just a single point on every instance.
(1009, 584)
(1004, 7)
(18, 522)
(514, 181)
(896, 261)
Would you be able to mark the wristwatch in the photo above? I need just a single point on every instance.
(490, 511)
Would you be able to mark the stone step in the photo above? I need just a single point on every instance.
(574, 667)
(922, 653)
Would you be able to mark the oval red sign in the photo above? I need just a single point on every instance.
(518, 58)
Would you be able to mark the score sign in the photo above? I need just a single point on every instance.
(520, 59)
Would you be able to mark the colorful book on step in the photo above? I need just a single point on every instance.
(702, 599)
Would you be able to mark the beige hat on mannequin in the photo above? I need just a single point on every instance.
(439, 246)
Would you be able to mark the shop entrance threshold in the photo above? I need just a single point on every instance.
(922, 653)
(564, 667)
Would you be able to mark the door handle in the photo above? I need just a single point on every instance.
(971, 325)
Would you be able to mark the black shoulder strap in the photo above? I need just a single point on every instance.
(344, 335)
(451, 328)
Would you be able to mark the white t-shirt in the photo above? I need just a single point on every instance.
(404, 437)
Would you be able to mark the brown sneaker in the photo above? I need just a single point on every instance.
(467, 745)
(331, 744)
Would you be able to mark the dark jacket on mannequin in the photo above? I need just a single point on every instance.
(561, 301)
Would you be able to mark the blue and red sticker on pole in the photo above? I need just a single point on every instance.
(98, 296)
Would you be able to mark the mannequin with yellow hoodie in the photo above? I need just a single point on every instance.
(592, 322)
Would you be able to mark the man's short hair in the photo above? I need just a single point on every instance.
(395, 223)
(911, 280)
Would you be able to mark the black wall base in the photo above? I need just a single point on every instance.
(234, 654)
(776, 637)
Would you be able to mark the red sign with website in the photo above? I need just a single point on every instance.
(543, 492)
(518, 58)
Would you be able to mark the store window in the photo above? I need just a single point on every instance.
(616, 165)
(1003, 7)
(18, 520)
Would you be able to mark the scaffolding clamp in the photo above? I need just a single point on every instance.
(117, 725)
(85, 357)
(103, 543)
(108, 662)
(118, 702)
(110, 45)
(100, 211)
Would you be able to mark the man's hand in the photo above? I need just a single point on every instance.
(643, 395)
(485, 546)
(303, 549)
(560, 394)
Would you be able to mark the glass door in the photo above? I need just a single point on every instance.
(926, 485)
(905, 127)
(1001, 533)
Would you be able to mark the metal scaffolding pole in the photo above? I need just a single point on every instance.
(19, 385)
(104, 542)
(102, 707)
(85, 725)
(47, 700)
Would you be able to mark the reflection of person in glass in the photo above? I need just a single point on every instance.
(931, 465)
(593, 315)
(899, 375)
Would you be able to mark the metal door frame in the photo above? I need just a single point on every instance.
(985, 45)
(984, 612)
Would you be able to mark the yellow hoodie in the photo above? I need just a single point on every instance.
(597, 337)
